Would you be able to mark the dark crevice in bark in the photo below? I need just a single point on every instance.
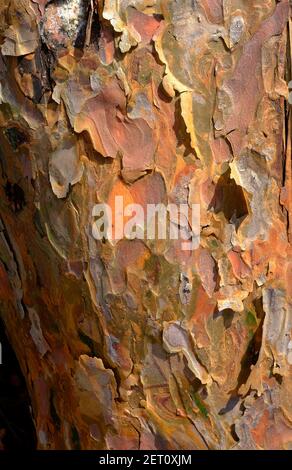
(15, 196)
(15, 137)
(251, 356)
(249, 359)
(229, 198)
(227, 315)
(233, 433)
(180, 129)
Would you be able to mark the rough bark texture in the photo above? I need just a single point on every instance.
(138, 344)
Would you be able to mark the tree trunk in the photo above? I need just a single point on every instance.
(139, 343)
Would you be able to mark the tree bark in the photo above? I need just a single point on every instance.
(128, 344)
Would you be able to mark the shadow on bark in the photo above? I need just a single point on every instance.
(16, 425)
